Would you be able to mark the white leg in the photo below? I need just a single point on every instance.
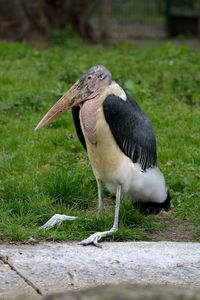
(56, 220)
(95, 237)
(100, 196)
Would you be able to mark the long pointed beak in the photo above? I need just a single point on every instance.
(74, 96)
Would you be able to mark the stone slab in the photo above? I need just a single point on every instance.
(11, 285)
(55, 267)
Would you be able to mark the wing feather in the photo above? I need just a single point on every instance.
(131, 129)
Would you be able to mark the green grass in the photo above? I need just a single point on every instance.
(46, 172)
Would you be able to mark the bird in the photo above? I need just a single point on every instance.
(120, 143)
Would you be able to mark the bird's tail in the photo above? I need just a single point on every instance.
(149, 208)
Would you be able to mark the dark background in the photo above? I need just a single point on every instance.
(99, 21)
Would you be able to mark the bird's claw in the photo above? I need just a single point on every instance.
(57, 219)
(92, 239)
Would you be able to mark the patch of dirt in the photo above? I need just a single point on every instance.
(172, 229)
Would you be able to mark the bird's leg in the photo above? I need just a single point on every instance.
(100, 196)
(57, 219)
(95, 237)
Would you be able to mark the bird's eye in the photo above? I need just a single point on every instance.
(89, 77)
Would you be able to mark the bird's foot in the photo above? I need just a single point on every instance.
(95, 237)
(92, 239)
(57, 219)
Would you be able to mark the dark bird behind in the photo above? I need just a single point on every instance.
(120, 143)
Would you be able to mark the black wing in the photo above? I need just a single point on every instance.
(75, 114)
(131, 129)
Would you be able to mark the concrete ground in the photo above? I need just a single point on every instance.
(55, 267)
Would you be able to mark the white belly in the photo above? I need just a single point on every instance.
(113, 167)
(141, 186)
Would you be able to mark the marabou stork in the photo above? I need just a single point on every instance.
(120, 143)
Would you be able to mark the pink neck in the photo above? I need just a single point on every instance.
(88, 117)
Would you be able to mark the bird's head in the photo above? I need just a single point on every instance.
(88, 87)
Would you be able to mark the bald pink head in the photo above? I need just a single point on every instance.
(88, 87)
